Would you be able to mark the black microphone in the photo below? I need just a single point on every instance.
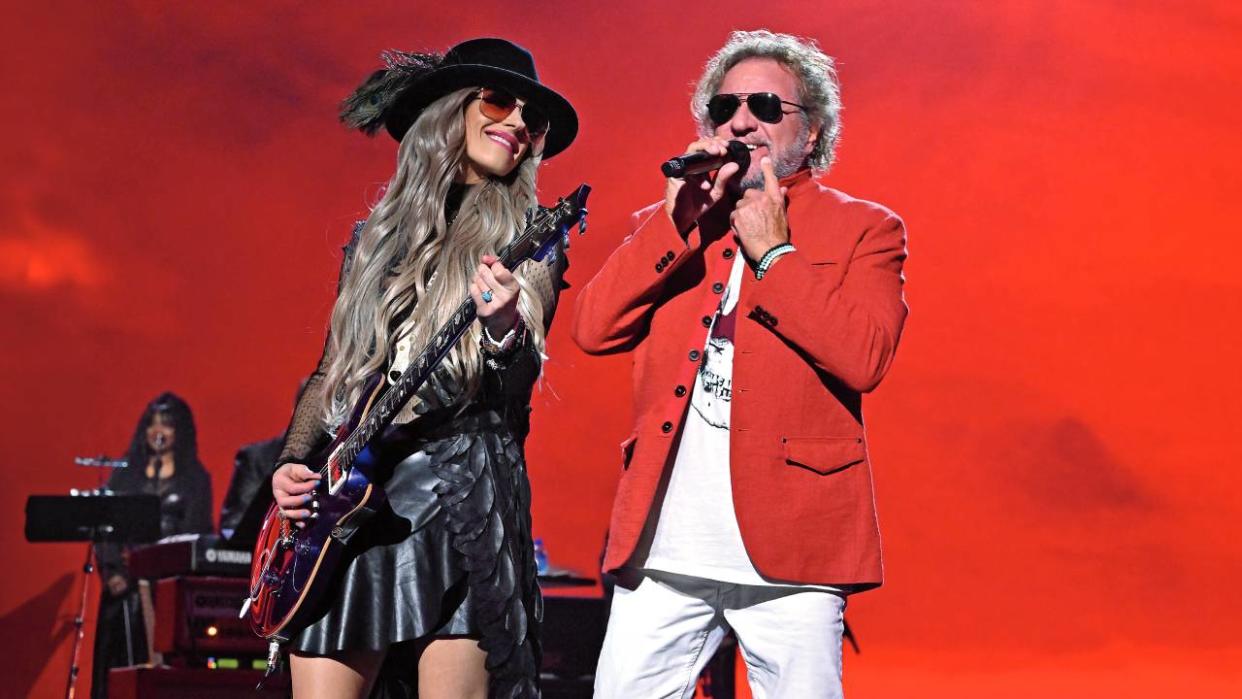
(701, 162)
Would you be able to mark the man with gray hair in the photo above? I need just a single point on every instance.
(760, 306)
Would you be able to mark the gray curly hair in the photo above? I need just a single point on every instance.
(818, 88)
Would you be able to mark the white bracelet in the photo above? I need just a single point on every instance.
(771, 257)
(493, 347)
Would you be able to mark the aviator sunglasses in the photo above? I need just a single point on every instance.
(498, 104)
(766, 106)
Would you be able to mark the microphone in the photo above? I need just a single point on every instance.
(701, 162)
(159, 441)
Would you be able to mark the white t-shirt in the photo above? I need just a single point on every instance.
(696, 532)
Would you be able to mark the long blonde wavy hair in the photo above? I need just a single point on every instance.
(388, 291)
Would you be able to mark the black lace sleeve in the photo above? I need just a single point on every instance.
(305, 433)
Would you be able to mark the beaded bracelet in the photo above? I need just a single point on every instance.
(770, 257)
(497, 351)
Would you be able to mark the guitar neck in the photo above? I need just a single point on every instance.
(544, 224)
(393, 399)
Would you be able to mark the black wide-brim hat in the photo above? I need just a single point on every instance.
(485, 63)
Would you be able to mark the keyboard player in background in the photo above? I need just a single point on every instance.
(163, 460)
(252, 472)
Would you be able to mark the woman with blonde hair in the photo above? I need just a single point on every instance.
(439, 588)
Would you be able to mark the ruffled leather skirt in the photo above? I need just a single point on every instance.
(449, 555)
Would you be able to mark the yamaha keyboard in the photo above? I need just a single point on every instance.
(189, 554)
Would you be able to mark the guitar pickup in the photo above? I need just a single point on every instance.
(336, 474)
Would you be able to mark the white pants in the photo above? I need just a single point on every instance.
(662, 632)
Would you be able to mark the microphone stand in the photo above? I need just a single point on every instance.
(88, 568)
(159, 466)
(79, 621)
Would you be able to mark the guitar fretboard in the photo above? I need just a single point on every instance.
(545, 224)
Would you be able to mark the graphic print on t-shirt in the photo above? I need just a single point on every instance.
(713, 391)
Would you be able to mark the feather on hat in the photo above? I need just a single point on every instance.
(368, 108)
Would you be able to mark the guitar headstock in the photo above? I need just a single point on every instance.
(553, 223)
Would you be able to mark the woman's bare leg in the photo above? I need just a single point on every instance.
(452, 668)
(348, 674)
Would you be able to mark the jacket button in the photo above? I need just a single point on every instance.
(717, 287)
(668, 256)
(659, 266)
(707, 321)
(666, 427)
(694, 355)
(679, 391)
(728, 253)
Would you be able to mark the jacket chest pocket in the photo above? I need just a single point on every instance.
(824, 455)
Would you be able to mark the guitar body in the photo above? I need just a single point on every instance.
(292, 568)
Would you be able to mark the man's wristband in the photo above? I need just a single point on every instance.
(770, 257)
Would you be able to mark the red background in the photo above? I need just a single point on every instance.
(1056, 475)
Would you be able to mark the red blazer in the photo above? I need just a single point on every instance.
(816, 332)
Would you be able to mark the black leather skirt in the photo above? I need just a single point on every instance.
(449, 555)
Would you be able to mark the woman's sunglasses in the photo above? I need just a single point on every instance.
(766, 106)
(497, 105)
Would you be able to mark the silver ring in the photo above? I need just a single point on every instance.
(487, 296)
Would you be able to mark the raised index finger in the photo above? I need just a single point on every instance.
(771, 186)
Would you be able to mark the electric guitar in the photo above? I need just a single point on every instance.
(292, 568)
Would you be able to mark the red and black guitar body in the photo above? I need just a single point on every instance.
(291, 565)
(293, 569)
